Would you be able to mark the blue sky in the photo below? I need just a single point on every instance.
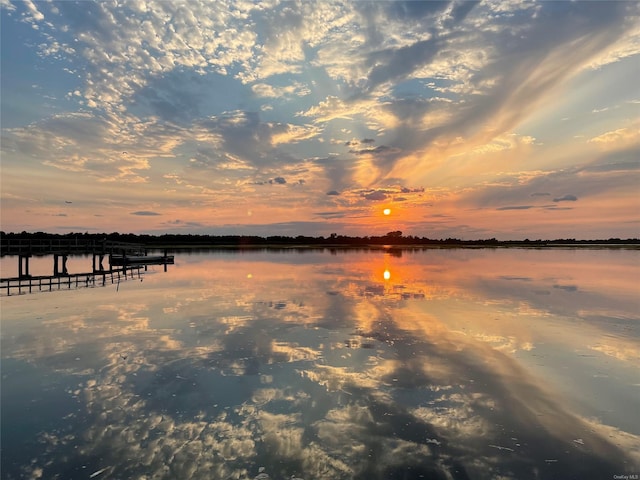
(465, 119)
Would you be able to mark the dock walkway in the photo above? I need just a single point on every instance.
(125, 260)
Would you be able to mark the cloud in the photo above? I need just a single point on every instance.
(162, 37)
(398, 63)
(412, 190)
(355, 142)
(619, 161)
(377, 195)
(554, 207)
(35, 14)
(525, 79)
(516, 207)
(333, 192)
(338, 172)
(85, 143)
(335, 109)
(606, 175)
(8, 5)
(271, 91)
(278, 180)
(620, 136)
(177, 96)
(242, 138)
(145, 213)
(500, 78)
(293, 133)
(290, 228)
(566, 198)
(184, 224)
(379, 150)
(337, 214)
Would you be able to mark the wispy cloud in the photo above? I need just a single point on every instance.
(516, 207)
(145, 213)
(566, 198)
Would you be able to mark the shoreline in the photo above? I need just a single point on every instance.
(135, 244)
(417, 246)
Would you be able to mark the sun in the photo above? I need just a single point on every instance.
(387, 211)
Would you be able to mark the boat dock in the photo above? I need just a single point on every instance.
(125, 260)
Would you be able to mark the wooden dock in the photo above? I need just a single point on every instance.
(49, 283)
(121, 265)
(121, 260)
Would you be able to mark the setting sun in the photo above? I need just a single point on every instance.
(387, 211)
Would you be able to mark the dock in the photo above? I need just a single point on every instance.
(124, 261)
(142, 260)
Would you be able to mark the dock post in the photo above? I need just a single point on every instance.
(60, 271)
(23, 272)
(100, 258)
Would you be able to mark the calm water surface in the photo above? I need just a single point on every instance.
(435, 364)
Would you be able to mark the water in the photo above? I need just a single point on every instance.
(452, 363)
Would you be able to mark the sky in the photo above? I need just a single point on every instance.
(470, 120)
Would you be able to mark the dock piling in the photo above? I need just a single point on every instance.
(60, 267)
(23, 265)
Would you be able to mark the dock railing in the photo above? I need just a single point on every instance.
(48, 283)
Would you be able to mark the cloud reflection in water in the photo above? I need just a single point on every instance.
(318, 365)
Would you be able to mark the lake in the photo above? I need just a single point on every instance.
(330, 364)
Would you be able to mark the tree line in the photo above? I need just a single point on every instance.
(201, 240)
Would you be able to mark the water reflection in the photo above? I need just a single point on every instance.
(461, 364)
